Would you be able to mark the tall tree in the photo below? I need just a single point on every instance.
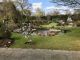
(8, 18)
(55, 12)
(10, 14)
(76, 11)
(39, 12)
(23, 5)
(25, 8)
(70, 3)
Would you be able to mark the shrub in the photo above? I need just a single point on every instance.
(4, 33)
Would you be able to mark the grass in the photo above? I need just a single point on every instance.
(53, 24)
(19, 40)
(68, 41)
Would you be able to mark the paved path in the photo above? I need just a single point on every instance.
(37, 54)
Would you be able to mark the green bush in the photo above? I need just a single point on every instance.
(75, 32)
(4, 33)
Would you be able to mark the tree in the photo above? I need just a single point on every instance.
(8, 15)
(68, 12)
(11, 13)
(25, 9)
(76, 11)
(24, 6)
(71, 3)
(56, 12)
(76, 15)
(38, 14)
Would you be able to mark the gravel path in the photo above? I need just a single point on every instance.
(37, 54)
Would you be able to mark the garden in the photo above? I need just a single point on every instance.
(20, 29)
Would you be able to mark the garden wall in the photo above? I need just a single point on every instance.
(37, 54)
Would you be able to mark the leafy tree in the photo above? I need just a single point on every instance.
(39, 12)
(24, 8)
(11, 14)
(56, 12)
(76, 11)
(70, 3)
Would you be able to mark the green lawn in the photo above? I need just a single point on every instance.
(53, 24)
(68, 41)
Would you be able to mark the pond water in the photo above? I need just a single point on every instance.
(47, 32)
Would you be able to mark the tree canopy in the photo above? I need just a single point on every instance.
(9, 14)
(71, 3)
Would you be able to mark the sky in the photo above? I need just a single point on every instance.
(46, 5)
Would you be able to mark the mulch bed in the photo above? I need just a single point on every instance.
(6, 42)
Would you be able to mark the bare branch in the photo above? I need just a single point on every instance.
(71, 3)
